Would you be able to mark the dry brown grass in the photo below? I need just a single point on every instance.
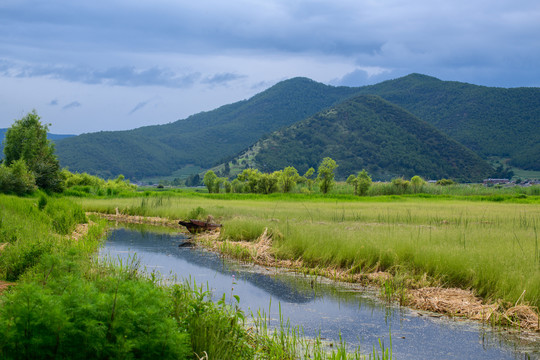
(522, 316)
(454, 302)
(4, 285)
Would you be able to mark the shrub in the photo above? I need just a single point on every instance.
(16, 178)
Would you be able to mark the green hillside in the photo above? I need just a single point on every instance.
(490, 121)
(369, 132)
(203, 139)
(495, 122)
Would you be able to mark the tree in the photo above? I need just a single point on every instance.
(445, 182)
(27, 140)
(308, 176)
(417, 182)
(326, 174)
(209, 180)
(250, 177)
(400, 184)
(288, 178)
(267, 183)
(361, 183)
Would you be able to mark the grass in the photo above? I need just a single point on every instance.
(69, 304)
(489, 246)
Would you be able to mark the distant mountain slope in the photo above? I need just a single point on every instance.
(53, 137)
(202, 139)
(369, 132)
(490, 121)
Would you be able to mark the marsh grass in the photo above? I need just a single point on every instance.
(70, 304)
(285, 341)
(488, 246)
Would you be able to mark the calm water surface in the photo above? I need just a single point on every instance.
(319, 307)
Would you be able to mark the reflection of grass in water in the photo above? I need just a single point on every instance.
(488, 246)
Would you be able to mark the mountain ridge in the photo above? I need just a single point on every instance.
(369, 132)
(490, 121)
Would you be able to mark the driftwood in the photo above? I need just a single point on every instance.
(197, 226)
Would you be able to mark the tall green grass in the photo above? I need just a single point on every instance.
(68, 304)
(489, 246)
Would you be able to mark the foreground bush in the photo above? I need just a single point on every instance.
(115, 316)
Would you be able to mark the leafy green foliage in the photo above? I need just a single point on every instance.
(216, 329)
(367, 132)
(325, 174)
(288, 178)
(210, 181)
(360, 183)
(74, 317)
(76, 184)
(16, 178)
(417, 183)
(27, 140)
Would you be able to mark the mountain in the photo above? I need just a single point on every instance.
(52, 137)
(203, 139)
(369, 132)
(498, 122)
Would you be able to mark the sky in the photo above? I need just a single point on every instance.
(88, 66)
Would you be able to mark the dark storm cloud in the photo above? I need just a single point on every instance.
(438, 37)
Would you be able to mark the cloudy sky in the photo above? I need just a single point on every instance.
(87, 66)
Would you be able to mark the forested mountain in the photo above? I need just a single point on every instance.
(369, 132)
(202, 139)
(490, 121)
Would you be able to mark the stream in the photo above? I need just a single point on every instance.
(319, 306)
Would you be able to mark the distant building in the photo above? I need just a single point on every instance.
(490, 182)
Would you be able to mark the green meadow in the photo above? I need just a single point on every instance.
(65, 303)
(488, 243)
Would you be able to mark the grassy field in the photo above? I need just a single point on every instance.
(64, 303)
(492, 247)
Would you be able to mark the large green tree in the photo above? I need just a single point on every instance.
(326, 174)
(210, 180)
(27, 140)
(361, 183)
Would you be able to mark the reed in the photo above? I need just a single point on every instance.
(489, 246)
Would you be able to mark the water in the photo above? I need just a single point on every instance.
(319, 307)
